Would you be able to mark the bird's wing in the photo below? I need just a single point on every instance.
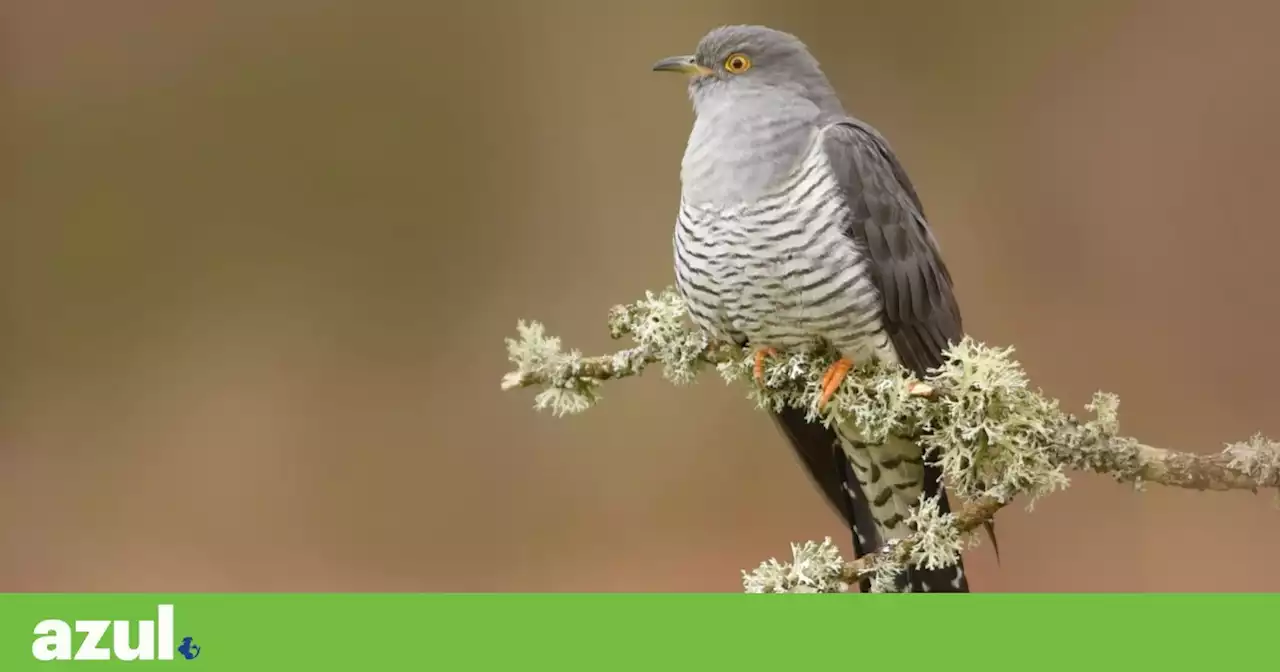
(886, 219)
(920, 314)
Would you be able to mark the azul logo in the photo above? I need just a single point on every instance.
(104, 640)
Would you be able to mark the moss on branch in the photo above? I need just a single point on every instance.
(977, 417)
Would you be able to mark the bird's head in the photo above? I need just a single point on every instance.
(733, 62)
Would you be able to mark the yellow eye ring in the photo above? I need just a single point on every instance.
(737, 63)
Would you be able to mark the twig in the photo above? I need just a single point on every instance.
(970, 518)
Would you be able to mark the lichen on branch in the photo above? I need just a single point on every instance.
(976, 416)
(570, 382)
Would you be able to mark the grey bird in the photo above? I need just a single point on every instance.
(799, 229)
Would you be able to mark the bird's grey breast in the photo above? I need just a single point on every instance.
(741, 147)
(778, 267)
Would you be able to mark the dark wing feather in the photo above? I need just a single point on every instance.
(920, 311)
(921, 314)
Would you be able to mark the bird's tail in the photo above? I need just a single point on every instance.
(873, 487)
(888, 481)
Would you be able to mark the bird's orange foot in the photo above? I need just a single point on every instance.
(831, 380)
(760, 356)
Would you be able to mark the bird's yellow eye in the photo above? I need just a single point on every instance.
(737, 64)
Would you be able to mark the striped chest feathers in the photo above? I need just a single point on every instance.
(780, 270)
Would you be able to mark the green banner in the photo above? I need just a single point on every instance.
(355, 633)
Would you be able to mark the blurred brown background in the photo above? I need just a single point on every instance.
(257, 259)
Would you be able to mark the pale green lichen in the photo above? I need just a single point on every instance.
(1096, 445)
(657, 323)
(885, 569)
(991, 434)
(937, 540)
(1106, 408)
(875, 398)
(571, 382)
(814, 568)
(566, 391)
(1259, 457)
(981, 423)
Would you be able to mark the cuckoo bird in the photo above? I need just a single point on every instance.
(798, 229)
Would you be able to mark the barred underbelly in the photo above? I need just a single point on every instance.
(802, 294)
(788, 284)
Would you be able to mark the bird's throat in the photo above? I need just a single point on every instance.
(737, 153)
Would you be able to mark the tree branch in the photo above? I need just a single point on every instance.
(976, 417)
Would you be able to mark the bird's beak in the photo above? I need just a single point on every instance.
(685, 64)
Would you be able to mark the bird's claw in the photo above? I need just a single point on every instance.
(918, 389)
(760, 356)
(831, 380)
